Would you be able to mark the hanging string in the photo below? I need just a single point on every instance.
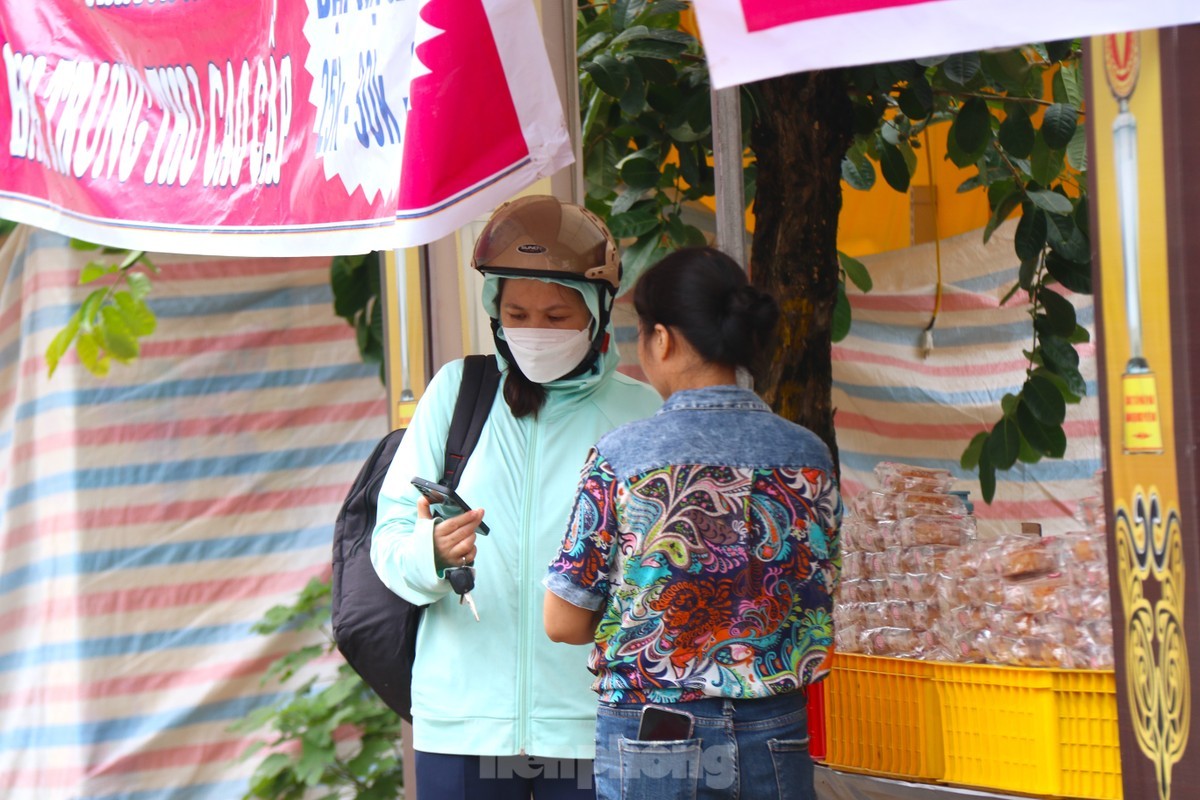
(927, 336)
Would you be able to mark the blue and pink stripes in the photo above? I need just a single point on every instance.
(149, 519)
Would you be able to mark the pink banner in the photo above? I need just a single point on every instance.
(748, 40)
(272, 127)
(763, 14)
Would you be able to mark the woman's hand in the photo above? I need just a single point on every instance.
(454, 538)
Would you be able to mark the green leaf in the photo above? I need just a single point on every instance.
(1003, 444)
(987, 477)
(592, 43)
(608, 74)
(139, 284)
(1007, 69)
(651, 48)
(672, 35)
(866, 117)
(961, 67)
(1077, 149)
(94, 271)
(1058, 352)
(370, 751)
(1058, 442)
(1058, 125)
(858, 171)
(1045, 164)
(972, 128)
(639, 172)
(1073, 276)
(1030, 237)
(1059, 310)
(350, 290)
(1059, 50)
(1063, 383)
(1053, 202)
(970, 456)
(625, 201)
(629, 34)
(1027, 454)
(957, 155)
(136, 313)
(839, 326)
(62, 341)
(1005, 207)
(132, 258)
(1079, 336)
(856, 271)
(1068, 86)
(1033, 430)
(270, 767)
(656, 71)
(894, 167)
(633, 99)
(641, 254)
(916, 99)
(1067, 240)
(79, 244)
(91, 355)
(1044, 401)
(1016, 132)
(1008, 404)
(684, 235)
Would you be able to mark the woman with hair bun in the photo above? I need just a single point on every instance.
(701, 558)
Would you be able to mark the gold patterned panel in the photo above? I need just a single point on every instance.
(1151, 573)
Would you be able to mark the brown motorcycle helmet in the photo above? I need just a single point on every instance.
(541, 236)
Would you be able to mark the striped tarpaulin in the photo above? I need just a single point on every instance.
(896, 404)
(150, 518)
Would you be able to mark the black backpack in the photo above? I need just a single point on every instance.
(375, 629)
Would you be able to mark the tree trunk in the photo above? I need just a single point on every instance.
(799, 139)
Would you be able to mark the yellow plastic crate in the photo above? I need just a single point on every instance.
(882, 717)
(1089, 745)
(1034, 731)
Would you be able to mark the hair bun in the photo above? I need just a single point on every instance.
(755, 310)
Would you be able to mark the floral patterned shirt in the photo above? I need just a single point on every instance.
(709, 535)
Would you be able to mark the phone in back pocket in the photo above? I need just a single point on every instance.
(661, 724)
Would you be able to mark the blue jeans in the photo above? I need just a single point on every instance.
(450, 777)
(752, 749)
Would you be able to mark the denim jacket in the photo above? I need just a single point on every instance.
(708, 533)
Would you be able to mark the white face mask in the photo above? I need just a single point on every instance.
(545, 354)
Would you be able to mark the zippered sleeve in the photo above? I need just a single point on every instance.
(402, 546)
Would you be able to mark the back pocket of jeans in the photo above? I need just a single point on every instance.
(793, 769)
(659, 770)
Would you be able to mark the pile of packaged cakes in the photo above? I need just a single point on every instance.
(918, 582)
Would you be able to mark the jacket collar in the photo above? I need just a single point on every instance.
(724, 397)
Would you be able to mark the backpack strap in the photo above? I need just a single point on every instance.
(480, 380)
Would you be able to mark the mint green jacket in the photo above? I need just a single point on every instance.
(499, 686)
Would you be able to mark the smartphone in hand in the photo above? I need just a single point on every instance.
(661, 724)
(450, 504)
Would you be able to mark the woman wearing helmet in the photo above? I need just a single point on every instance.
(500, 711)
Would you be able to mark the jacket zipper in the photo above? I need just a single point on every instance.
(523, 633)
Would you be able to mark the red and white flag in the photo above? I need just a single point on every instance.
(276, 127)
(747, 40)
